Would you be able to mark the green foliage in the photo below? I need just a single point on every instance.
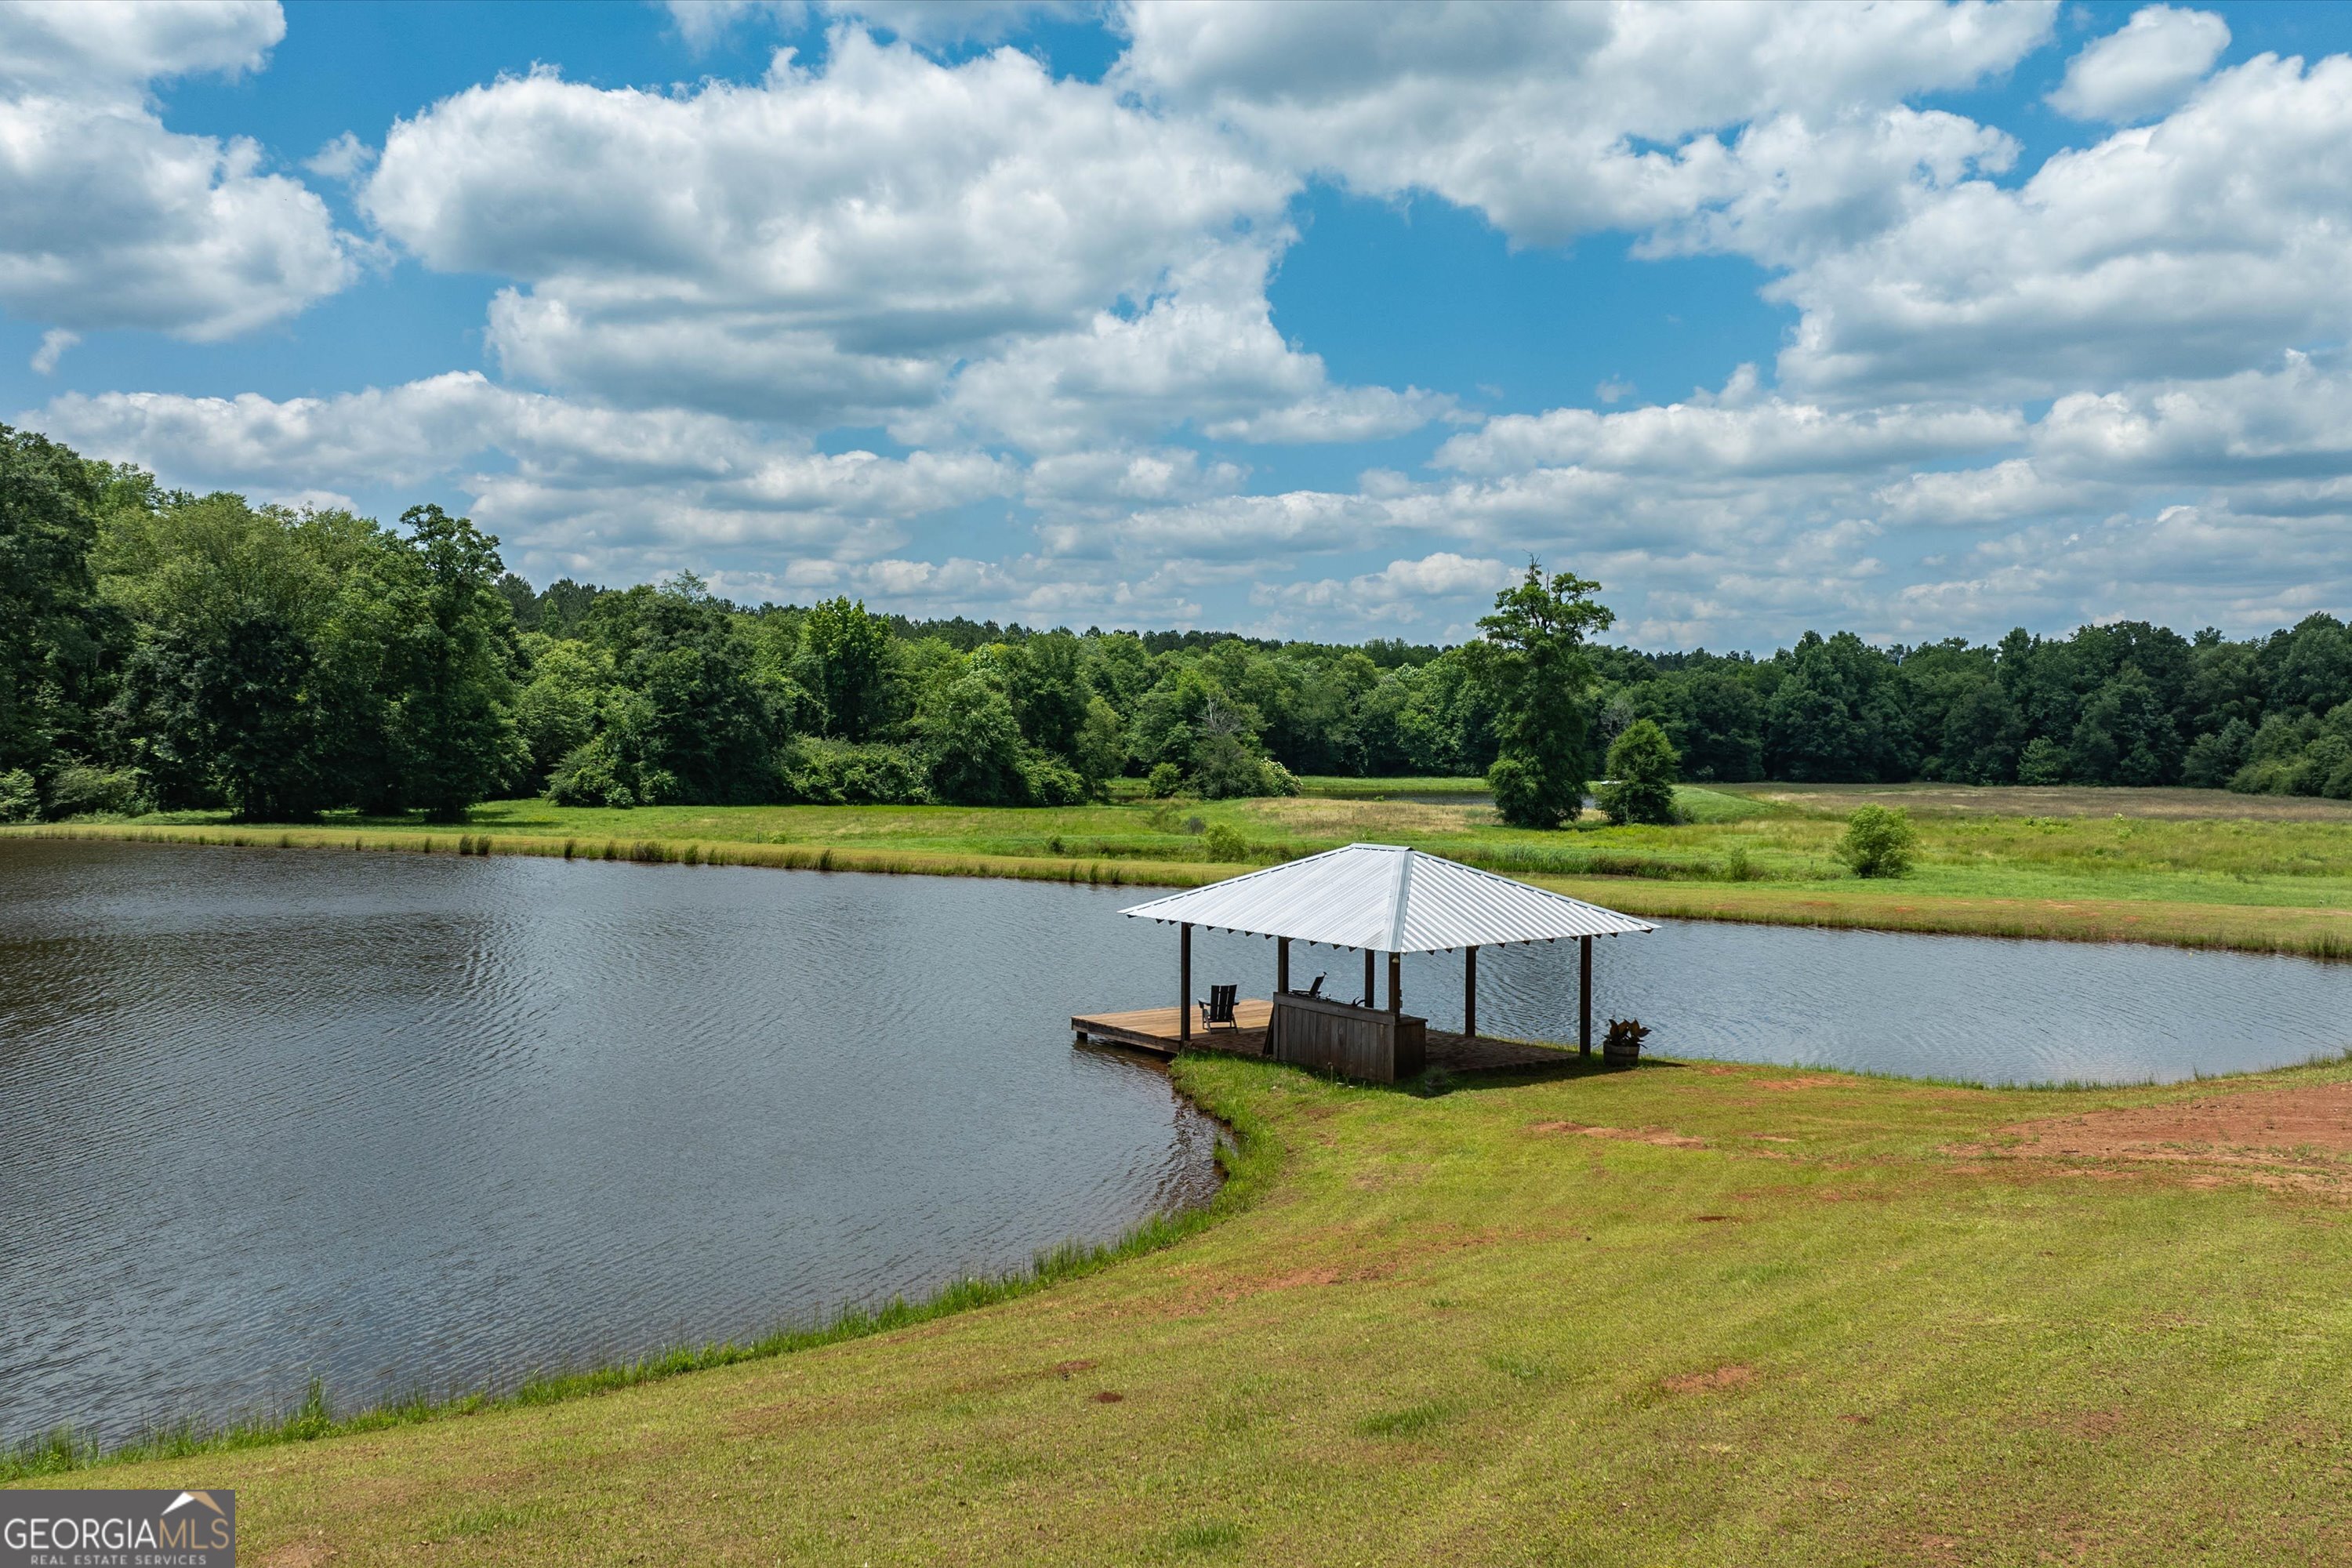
(1166, 779)
(452, 716)
(54, 634)
(20, 797)
(1098, 752)
(1226, 762)
(688, 717)
(78, 789)
(593, 774)
(1879, 841)
(2211, 761)
(974, 743)
(840, 773)
(2295, 753)
(1643, 770)
(558, 707)
(847, 667)
(1047, 688)
(1531, 659)
(1224, 841)
(267, 655)
(2043, 762)
(1838, 713)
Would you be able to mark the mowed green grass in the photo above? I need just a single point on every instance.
(1763, 1318)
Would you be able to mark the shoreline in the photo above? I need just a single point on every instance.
(2317, 934)
(1460, 1216)
(1247, 1161)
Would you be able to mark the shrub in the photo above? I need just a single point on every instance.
(838, 772)
(1224, 842)
(1879, 842)
(78, 789)
(1526, 796)
(1051, 781)
(19, 801)
(593, 774)
(1165, 780)
(1643, 767)
(1225, 767)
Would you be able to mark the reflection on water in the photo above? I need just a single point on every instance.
(1975, 1008)
(407, 1122)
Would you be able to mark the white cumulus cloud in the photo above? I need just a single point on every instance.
(114, 221)
(2144, 68)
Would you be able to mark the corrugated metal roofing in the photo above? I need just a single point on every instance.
(1388, 898)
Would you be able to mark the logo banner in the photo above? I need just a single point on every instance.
(55, 1528)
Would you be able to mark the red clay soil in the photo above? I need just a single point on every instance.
(1733, 1375)
(2309, 1128)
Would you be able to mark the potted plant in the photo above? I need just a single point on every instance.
(1622, 1046)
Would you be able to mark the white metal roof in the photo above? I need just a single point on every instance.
(1389, 900)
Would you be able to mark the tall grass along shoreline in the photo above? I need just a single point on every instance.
(1641, 886)
(1247, 1160)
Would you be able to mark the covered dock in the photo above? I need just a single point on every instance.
(1384, 901)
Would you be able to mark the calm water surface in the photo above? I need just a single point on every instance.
(407, 1123)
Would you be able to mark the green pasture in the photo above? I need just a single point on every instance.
(1693, 1314)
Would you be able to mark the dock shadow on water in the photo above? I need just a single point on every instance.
(417, 1126)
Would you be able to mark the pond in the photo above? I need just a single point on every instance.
(422, 1123)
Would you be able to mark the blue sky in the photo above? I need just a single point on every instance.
(1302, 320)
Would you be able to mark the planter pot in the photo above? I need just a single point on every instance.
(1616, 1056)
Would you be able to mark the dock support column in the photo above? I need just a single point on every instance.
(1470, 992)
(1184, 980)
(1396, 985)
(1584, 995)
(1371, 998)
(1281, 965)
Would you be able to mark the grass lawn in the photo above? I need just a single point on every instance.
(1691, 1314)
(2195, 868)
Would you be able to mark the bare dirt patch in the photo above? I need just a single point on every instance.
(2305, 1132)
(1663, 1138)
(1732, 1374)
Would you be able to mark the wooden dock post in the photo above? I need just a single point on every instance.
(1470, 992)
(1584, 995)
(1281, 965)
(1396, 985)
(1184, 981)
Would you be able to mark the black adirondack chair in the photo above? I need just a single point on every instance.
(1316, 989)
(1218, 1010)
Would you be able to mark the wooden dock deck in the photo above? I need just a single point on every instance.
(1154, 1029)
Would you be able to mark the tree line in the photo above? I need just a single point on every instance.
(165, 651)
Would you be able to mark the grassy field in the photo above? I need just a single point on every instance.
(1693, 1314)
(2189, 868)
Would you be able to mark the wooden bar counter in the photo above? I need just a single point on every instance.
(1354, 1042)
